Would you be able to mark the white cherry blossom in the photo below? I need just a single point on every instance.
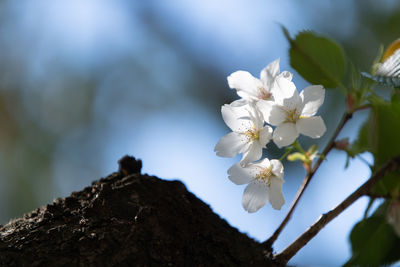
(249, 134)
(253, 89)
(293, 113)
(264, 179)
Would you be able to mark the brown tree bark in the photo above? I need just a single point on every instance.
(127, 219)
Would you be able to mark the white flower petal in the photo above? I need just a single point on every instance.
(287, 75)
(285, 134)
(264, 163)
(275, 193)
(285, 93)
(265, 135)
(272, 113)
(253, 153)
(277, 115)
(269, 73)
(245, 84)
(313, 98)
(230, 145)
(256, 116)
(239, 103)
(265, 107)
(233, 117)
(277, 168)
(255, 196)
(293, 103)
(313, 127)
(240, 175)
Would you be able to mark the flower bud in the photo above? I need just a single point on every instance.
(342, 144)
(350, 103)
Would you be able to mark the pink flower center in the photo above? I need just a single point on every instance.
(264, 94)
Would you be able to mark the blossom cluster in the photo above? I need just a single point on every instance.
(267, 102)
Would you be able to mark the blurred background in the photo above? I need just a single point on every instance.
(83, 83)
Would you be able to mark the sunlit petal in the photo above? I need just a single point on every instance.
(252, 154)
(230, 145)
(275, 193)
(277, 168)
(285, 93)
(265, 135)
(285, 134)
(313, 98)
(313, 127)
(240, 175)
(269, 73)
(255, 196)
(232, 117)
(245, 84)
(272, 113)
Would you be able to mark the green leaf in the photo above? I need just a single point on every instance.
(385, 134)
(389, 185)
(362, 143)
(374, 243)
(318, 59)
(380, 135)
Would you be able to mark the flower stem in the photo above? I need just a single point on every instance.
(309, 175)
(297, 145)
(288, 151)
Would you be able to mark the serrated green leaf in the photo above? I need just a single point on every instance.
(374, 243)
(318, 59)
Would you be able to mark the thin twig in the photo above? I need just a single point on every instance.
(283, 257)
(366, 106)
(306, 181)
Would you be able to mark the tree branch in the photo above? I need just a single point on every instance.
(364, 189)
(385, 196)
(307, 180)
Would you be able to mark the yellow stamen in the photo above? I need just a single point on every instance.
(252, 135)
(291, 115)
(264, 175)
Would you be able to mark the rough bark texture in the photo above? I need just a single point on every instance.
(127, 219)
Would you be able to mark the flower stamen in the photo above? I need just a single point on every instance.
(292, 115)
(265, 175)
(264, 94)
(253, 134)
